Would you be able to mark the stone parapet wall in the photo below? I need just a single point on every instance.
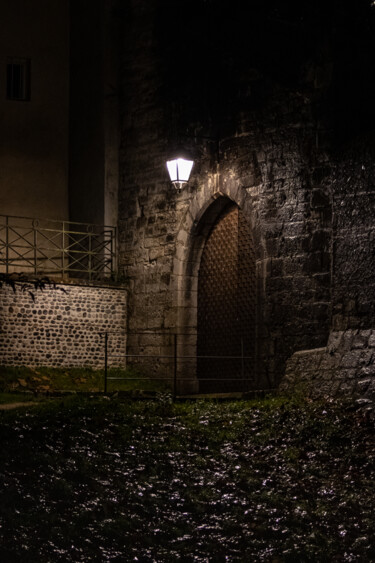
(63, 326)
(345, 366)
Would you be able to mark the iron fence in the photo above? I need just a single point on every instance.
(163, 358)
(57, 248)
(171, 358)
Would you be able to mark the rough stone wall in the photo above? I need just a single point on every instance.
(345, 366)
(268, 160)
(265, 111)
(147, 222)
(353, 189)
(279, 171)
(62, 328)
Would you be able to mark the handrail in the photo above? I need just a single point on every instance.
(57, 248)
(244, 377)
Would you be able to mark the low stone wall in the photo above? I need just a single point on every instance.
(345, 366)
(63, 326)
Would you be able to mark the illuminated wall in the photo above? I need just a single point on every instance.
(62, 328)
(271, 109)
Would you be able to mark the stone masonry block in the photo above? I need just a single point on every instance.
(349, 360)
(371, 340)
(359, 341)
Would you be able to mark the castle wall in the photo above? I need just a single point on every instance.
(276, 111)
(62, 327)
(353, 189)
(270, 160)
(346, 366)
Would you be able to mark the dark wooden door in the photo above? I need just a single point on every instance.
(227, 306)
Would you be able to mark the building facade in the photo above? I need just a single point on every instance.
(268, 250)
(34, 109)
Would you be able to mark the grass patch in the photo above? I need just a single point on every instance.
(273, 480)
(46, 379)
(7, 398)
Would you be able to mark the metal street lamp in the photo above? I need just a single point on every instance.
(179, 171)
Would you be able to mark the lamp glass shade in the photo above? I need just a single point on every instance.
(179, 169)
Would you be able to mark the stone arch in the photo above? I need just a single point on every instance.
(198, 222)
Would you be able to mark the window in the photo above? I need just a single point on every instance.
(18, 79)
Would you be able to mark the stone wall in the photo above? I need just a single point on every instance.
(273, 126)
(62, 326)
(345, 366)
(353, 199)
(269, 160)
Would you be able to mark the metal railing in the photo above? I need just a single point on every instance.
(147, 366)
(57, 248)
(173, 364)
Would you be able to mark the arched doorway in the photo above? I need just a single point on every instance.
(227, 305)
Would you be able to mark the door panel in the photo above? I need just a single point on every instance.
(227, 305)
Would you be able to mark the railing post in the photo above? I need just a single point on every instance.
(105, 361)
(174, 366)
(63, 250)
(112, 265)
(90, 257)
(35, 248)
(7, 244)
(242, 361)
(114, 251)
